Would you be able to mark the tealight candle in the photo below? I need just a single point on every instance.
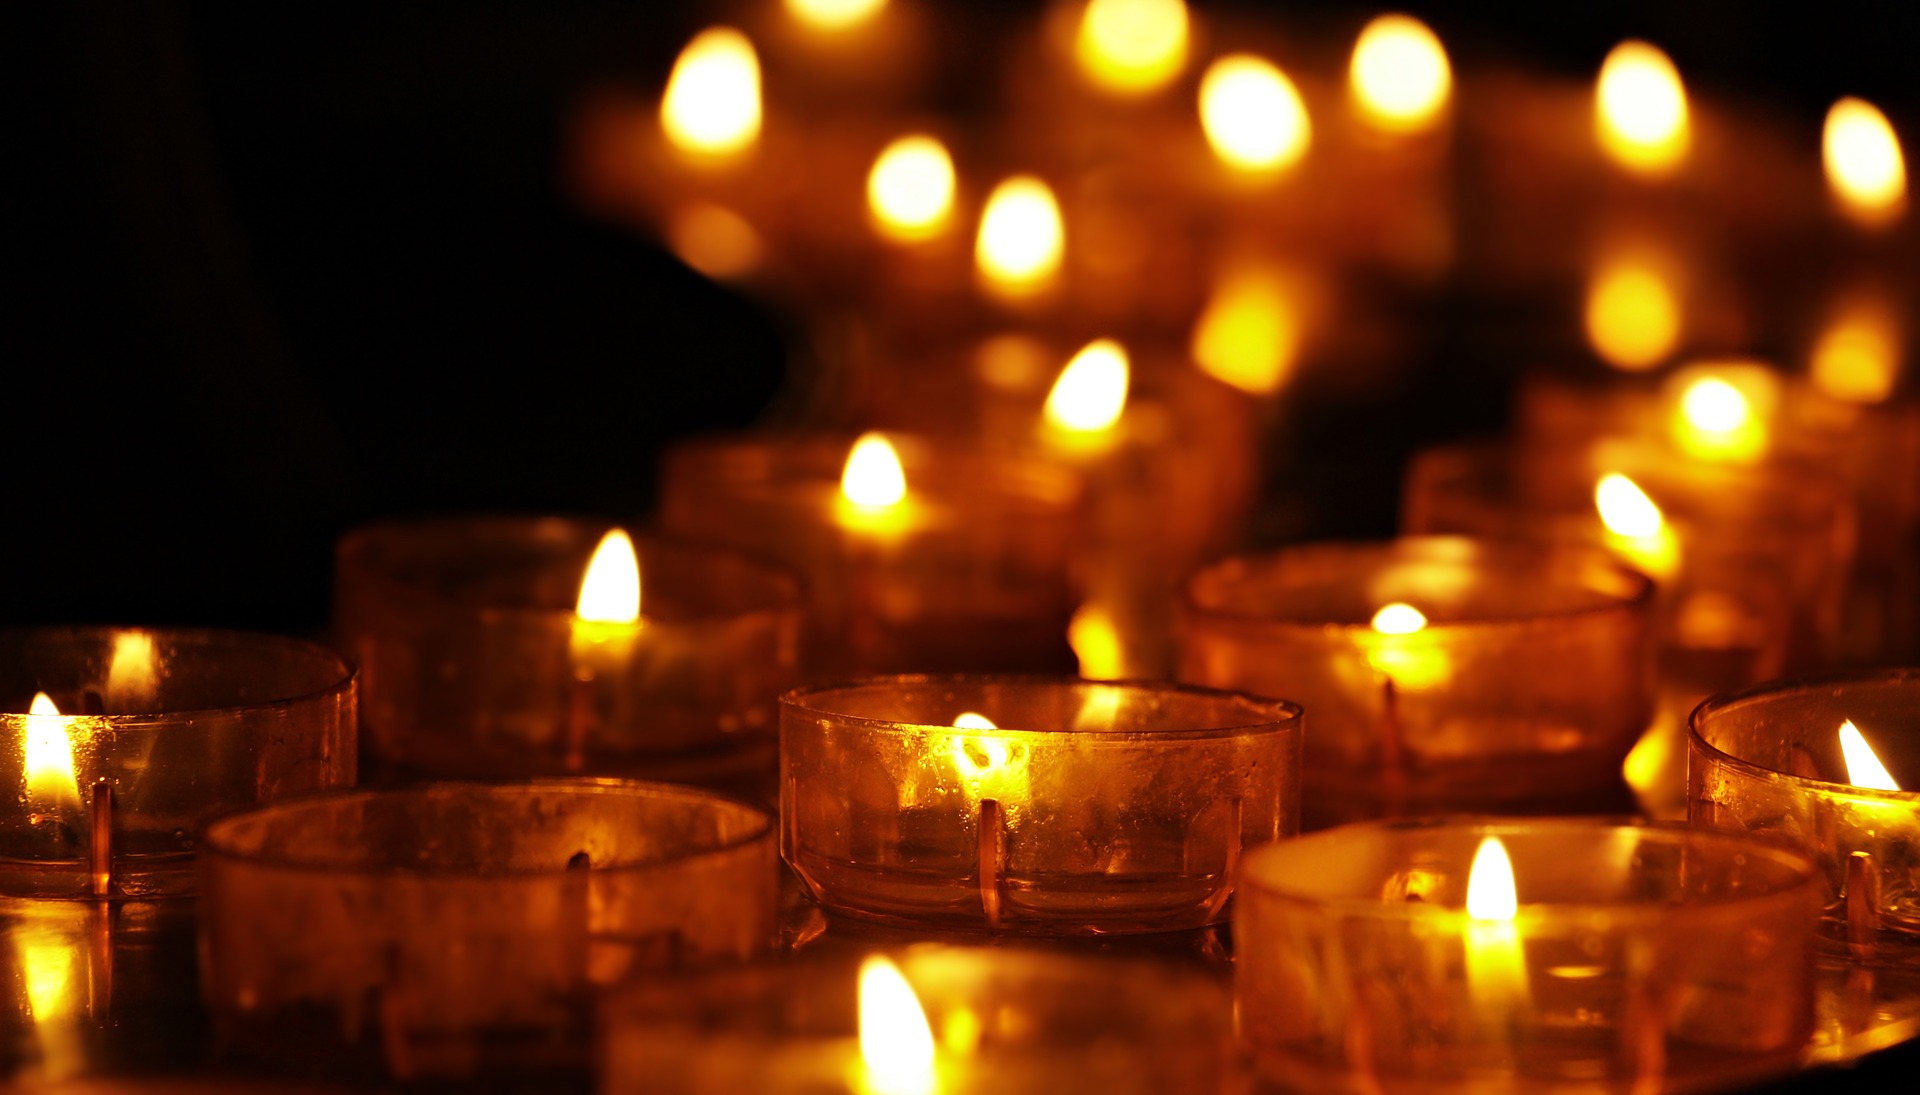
(1440, 674)
(508, 647)
(125, 740)
(1539, 956)
(1037, 805)
(930, 1019)
(458, 929)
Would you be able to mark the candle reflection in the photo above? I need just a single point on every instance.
(896, 1041)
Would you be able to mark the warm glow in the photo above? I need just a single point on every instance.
(1714, 406)
(1641, 108)
(1864, 165)
(1096, 644)
(1398, 618)
(714, 240)
(1252, 114)
(712, 104)
(834, 14)
(1633, 314)
(1132, 46)
(1091, 393)
(131, 673)
(47, 967)
(873, 475)
(1490, 889)
(1635, 527)
(1719, 419)
(896, 1041)
(49, 761)
(610, 592)
(1857, 356)
(1249, 335)
(1400, 75)
(973, 720)
(1863, 765)
(1022, 238)
(910, 190)
(990, 766)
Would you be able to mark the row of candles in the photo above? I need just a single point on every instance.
(1642, 546)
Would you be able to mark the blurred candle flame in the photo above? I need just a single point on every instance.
(712, 102)
(1496, 960)
(1632, 313)
(1022, 238)
(1863, 764)
(873, 476)
(1491, 894)
(1096, 644)
(1249, 335)
(1857, 356)
(973, 720)
(131, 676)
(1410, 663)
(1864, 165)
(1252, 114)
(1399, 74)
(910, 189)
(1641, 109)
(1398, 618)
(47, 967)
(1635, 526)
(714, 240)
(834, 14)
(1725, 417)
(1132, 46)
(51, 783)
(896, 1041)
(1091, 392)
(610, 591)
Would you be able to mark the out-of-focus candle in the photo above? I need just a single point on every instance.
(1723, 411)
(1640, 109)
(1635, 527)
(1087, 400)
(1251, 331)
(1132, 47)
(832, 15)
(1633, 310)
(1399, 76)
(712, 102)
(896, 1044)
(1864, 166)
(1095, 640)
(910, 189)
(1252, 115)
(1022, 239)
(1857, 355)
(715, 240)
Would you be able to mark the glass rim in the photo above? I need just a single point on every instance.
(1726, 701)
(1286, 715)
(214, 836)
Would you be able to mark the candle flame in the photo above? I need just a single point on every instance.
(1632, 313)
(47, 967)
(1091, 392)
(896, 1041)
(1022, 238)
(1132, 46)
(1490, 887)
(834, 14)
(1857, 356)
(1399, 618)
(712, 103)
(1252, 114)
(1719, 419)
(910, 189)
(610, 591)
(1399, 74)
(49, 754)
(1863, 764)
(714, 240)
(973, 720)
(1635, 526)
(131, 676)
(1249, 335)
(1641, 109)
(1096, 644)
(873, 476)
(1864, 165)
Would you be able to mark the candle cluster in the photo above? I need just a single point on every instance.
(993, 641)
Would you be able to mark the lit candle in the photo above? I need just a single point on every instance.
(601, 643)
(834, 15)
(1857, 356)
(910, 190)
(873, 487)
(1633, 309)
(1399, 76)
(1640, 109)
(52, 790)
(1723, 411)
(1087, 400)
(1132, 47)
(1095, 639)
(1635, 527)
(1251, 331)
(1864, 166)
(1863, 764)
(1496, 958)
(1252, 115)
(896, 1043)
(1021, 242)
(711, 107)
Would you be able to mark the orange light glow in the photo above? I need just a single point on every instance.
(1865, 168)
(1091, 392)
(873, 477)
(1022, 238)
(910, 189)
(715, 240)
(131, 673)
(1640, 109)
(1252, 115)
(1723, 411)
(1635, 527)
(1398, 618)
(896, 1041)
(1399, 74)
(1491, 893)
(1863, 764)
(973, 720)
(1096, 644)
(1132, 46)
(712, 102)
(990, 765)
(834, 14)
(1633, 313)
(610, 591)
(1249, 336)
(1857, 356)
(1496, 959)
(51, 783)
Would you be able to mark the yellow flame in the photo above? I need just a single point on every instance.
(1635, 526)
(1398, 618)
(1863, 764)
(47, 967)
(1091, 392)
(1022, 238)
(1725, 417)
(1249, 335)
(1399, 74)
(714, 240)
(896, 1041)
(1865, 168)
(973, 720)
(1857, 356)
(1496, 958)
(834, 14)
(873, 476)
(610, 591)
(49, 755)
(910, 189)
(712, 103)
(1632, 313)
(131, 676)
(1252, 114)
(1640, 109)
(1132, 46)
(1490, 889)
(1096, 644)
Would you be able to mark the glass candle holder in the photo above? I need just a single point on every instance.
(137, 736)
(476, 664)
(1058, 807)
(1440, 673)
(453, 928)
(1635, 957)
(1005, 1021)
(968, 571)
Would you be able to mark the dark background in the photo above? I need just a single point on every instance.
(279, 268)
